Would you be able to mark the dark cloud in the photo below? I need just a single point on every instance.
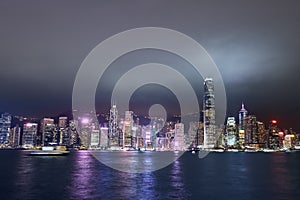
(255, 44)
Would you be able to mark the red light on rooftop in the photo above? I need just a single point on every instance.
(274, 122)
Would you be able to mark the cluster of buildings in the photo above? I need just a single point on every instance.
(83, 133)
(119, 133)
(26, 134)
(249, 132)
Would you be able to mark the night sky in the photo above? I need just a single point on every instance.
(255, 44)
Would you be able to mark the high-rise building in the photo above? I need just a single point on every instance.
(179, 142)
(231, 132)
(63, 131)
(191, 134)
(29, 135)
(195, 134)
(220, 132)
(64, 136)
(128, 140)
(209, 114)
(243, 113)
(62, 122)
(139, 137)
(289, 138)
(147, 136)
(47, 129)
(113, 127)
(250, 128)
(73, 134)
(95, 139)
(103, 137)
(16, 136)
(273, 137)
(157, 124)
(85, 130)
(262, 134)
(5, 124)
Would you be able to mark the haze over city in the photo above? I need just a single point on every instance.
(254, 44)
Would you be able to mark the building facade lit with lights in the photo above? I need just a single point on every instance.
(85, 130)
(47, 132)
(274, 136)
(5, 125)
(73, 134)
(231, 132)
(209, 114)
(29, 139)
(104, 137)
(251, 132)
(95, 139)
(16, 136)
(114, 134)
(128, 141)
(179, 138)
(241, 136)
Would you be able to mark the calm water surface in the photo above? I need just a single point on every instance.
(217, 176)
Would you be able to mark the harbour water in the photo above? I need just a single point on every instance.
(80, 175)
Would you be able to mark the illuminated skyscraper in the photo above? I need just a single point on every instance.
(273, 137)
(64, 136)
(113, 127)
(179, 140)
(103, 137)
(195, 134)
(5, 123)
(242, 114)
(209, 114)
(250, 128)
(73, 134)
(63, 132)
(50, 133)
(231, 132)
(262, 134)
(146, 135)
(95, 139)
(85, 130)
(47, 131)
(29, 135)
(16, 136)
(127, 130)
(157, 124)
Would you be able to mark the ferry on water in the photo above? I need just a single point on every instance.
(50, 151)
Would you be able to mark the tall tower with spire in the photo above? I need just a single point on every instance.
(242, 114)
(209, 114)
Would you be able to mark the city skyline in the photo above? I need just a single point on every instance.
(119, 132)
(237, 116)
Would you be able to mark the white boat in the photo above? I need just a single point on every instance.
(285, 150)
(216, 150)
(50, 151)
(269, 150)
(251, 150)
(232, 150)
